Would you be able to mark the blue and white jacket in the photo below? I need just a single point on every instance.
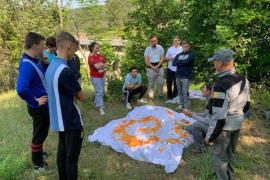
(31, 81)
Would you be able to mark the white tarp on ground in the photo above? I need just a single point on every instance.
(148, 133)
(193, 94)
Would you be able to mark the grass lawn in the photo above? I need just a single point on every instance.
(100, 162)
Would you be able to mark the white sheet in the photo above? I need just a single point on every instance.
(148, 133)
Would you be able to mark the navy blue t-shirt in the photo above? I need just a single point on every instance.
(62, 86)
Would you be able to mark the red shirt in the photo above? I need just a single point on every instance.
(94, 59)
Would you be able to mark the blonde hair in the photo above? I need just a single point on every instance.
(64, 37)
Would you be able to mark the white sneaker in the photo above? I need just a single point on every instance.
(101, 111)
(179, 107)
(143, 101)
(169, 101)
(128, 105)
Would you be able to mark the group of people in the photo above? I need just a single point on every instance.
(50, 85)
(50, 82)
(179, 73)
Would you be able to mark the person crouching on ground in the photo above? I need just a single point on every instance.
(199, 128)
(97, 65)
(133, 85)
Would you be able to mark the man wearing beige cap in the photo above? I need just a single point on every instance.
(229, 99)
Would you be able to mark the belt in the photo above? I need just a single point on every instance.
(154, 64)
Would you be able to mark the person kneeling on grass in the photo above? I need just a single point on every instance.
(133, 85)
(199, 128)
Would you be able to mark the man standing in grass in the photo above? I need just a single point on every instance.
(175, 49)
(31, 87)
(229, 100)
(153, 58)
(63, 91)
(133, 85)
(184, 62)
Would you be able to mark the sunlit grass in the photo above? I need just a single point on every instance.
(100, 162)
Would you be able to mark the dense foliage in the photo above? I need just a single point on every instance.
(16, 19)
(209, 25)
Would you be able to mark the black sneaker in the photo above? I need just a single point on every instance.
(41, 168)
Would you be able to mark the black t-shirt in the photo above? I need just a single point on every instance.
(68, 87)
(75, 66)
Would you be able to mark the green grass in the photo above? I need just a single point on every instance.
(100, 162)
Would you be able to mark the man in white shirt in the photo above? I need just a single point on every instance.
(153, 58)
(175, 49)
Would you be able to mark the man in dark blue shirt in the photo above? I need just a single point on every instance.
(31, 87)
(184, 63)
(65, 116)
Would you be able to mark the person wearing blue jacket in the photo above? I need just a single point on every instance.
(184, 63)
(31, 87)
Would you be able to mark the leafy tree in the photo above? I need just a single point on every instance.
(17, 18)
(209, 25)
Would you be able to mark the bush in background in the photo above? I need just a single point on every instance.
(243, 26)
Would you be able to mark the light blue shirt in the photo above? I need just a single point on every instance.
(131, 80)
(50, 56)
(154, 53)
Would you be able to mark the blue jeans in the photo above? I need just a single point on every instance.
(99, 86)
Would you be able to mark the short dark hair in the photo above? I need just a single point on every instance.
(32, 38)
(185, 42)
(176, 37)
(152, 36)
(63, 37)
(51, 42)
(92, 45)
(132, 68)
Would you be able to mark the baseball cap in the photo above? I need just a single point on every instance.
(223, 55)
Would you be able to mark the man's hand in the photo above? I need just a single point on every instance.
(137, 86)
(42, 100)
(187, 112)
(208, 143)
(156, 68)
(80, 96)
